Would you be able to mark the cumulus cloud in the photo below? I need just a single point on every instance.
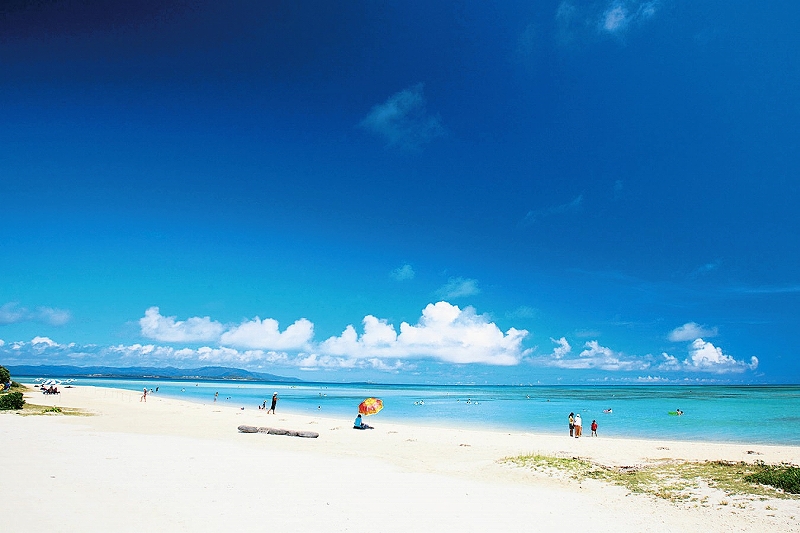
(167, 329)
(444, 332)
(593, 356)
(704, 356)
(403, 119)
(459, 288)
(563, 348)
(266, 335)
(596, 356)
(12, 312)
(403, 273)
(43, 341)
(691, 331)
(570, 207)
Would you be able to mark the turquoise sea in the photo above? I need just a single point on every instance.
(744, 414)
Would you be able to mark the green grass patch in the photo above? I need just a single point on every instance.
(30, 409)
(784, 476)
(676, 480)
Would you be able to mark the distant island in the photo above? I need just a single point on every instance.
(143, 372)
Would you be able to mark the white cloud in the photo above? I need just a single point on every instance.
(593, 356)
(167, 329)
(562, 349)
(443, 332)
(691, 331)
(619, 15)
(11, 313)
(55, 317)
(615, 18)
(43, 341)
(670, 362)
(523, 311)
(704, 356)
(574, 206)
(403, 119)
(403, 273)
(459, 288)
(265, 334)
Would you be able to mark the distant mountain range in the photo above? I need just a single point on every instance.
(139, 372)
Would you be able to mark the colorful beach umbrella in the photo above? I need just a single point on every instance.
(370, 406)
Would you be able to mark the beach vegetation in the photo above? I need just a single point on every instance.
(31, 409)
(784, 476)
(5, 375)
(677, 480)
(11, 401)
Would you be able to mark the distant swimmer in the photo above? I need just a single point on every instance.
(608, 411)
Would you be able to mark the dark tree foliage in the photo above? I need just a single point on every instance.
(12, 400)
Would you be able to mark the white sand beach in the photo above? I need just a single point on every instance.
(170, 465)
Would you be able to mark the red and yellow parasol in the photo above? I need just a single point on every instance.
(370, 406)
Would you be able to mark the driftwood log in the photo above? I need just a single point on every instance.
(276, 431)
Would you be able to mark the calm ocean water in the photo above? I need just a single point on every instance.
(744, 414)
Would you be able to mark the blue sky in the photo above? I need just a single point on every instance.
(531, 192)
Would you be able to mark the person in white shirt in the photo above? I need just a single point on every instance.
(578, 425)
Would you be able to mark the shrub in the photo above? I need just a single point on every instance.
(785, 477)
(5, 375)
(12, 400)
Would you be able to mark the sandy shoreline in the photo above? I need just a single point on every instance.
(170, 465)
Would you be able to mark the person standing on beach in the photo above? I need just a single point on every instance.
(144, 395)
(578, 425)
(571, 423)
(594, 428)
(274, 402)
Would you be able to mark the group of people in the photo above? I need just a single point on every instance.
(272, 405)
(576, 426)
(50, 390)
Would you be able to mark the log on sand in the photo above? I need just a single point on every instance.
(276, 431)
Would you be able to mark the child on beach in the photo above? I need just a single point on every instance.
(594, 428)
